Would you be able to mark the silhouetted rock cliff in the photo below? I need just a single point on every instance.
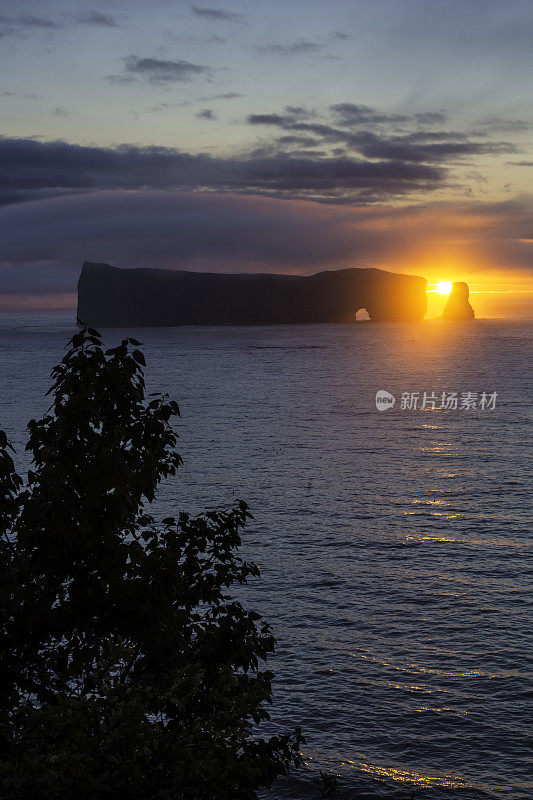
(458, 308)
(111, 297)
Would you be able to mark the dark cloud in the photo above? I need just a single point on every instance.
(291, 117)
(283, 121)
(216, 14)
(60, 111)
(372, 146)
(21, 22)
(300, 112)
(44, 243)
(27, 21)
(350, 128)
(298, 47)
(98, 19)
(160, 72)
(27, 164)
(206, 113)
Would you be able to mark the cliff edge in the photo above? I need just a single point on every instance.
(113, 297)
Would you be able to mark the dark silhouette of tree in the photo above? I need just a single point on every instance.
(126, 669)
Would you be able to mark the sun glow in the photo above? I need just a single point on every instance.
(444, 287)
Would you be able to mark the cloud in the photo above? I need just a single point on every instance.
(160, 107)
(507, 125)
(224, 96)
(28, 21)
(18, 23)
(206, 113)
(294, 139)
(60, 111)
(431, 118)
(281, 120)
(98, 19)
(352, 114)
(399, 147)
(354, 127)
(182, 37)
(21, 95)
(121, 80)
(45, 242)
(216, 14)
(298, 47)
(27, 164)
(159, 72)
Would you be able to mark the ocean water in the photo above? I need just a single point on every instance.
(393, 545)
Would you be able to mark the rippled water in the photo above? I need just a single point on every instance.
(393, 546)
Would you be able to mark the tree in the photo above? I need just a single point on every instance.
(126, 669)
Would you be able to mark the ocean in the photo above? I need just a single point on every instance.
(392, 544)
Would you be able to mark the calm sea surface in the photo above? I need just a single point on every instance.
(392, 546)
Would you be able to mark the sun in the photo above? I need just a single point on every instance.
(444, 287)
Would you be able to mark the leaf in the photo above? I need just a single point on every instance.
(139, 357)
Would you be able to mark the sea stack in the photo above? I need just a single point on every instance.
(458, 308)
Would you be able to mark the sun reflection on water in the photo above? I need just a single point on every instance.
(448, 781)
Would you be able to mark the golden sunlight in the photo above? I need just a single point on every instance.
(444, 287)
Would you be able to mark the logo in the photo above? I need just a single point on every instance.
(384, 400)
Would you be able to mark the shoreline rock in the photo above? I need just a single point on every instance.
(113, 297)
(458, 308)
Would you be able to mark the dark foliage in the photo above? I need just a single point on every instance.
(328, 785)
(126, 668)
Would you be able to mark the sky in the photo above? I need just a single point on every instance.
(270, 136)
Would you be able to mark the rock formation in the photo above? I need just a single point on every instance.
(458, 308)
(112, 297)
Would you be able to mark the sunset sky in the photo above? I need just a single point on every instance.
(271, 136)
